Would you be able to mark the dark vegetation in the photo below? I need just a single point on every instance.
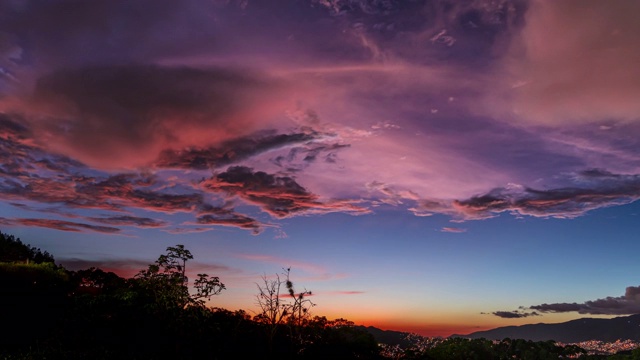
(48, 312)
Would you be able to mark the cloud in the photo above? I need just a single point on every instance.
(345, 292)
(142, 109)
(428, 207)
(448, 31)
(59, 225)
(629, 303)
(111, 193)
(453, 230)
(106, 111)
(228, 218)
(393, 196)
(127, 220)
(182, 230)
(576, 61)
(33, 174)
(558, 307)
(592, 189)
(229, 152)
(50, 30)
(300, 157)
(514, 314)
(11, 129)
(280, 196)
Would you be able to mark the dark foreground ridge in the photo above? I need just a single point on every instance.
(585, 329)
(54, 313)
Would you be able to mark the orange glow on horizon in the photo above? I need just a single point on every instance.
(429, 330)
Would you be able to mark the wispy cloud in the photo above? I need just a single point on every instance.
(228, 218)
(343, 292)
(453, 230)
(59, 225)
(127, 220)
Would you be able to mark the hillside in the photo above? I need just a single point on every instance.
(625, 327)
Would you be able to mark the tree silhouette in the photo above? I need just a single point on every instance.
(14, 250)
(277, 309)
(166, 281)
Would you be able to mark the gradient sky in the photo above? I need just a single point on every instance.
(433, 166)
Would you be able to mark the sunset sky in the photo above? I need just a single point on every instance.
(433, 166)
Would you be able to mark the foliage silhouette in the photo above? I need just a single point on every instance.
(278, 310)
(13, 250)
(93, 314)
(166, 284)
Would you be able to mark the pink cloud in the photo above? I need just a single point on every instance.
(344, 292)
(577, 61)
(59, 225)
(102, 111)
(453, 230)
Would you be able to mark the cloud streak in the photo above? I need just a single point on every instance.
(454, 230)
(59, 225)
(127, 220)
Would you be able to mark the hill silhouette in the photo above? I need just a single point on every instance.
(608, 330)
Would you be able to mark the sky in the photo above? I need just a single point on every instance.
(431, 166)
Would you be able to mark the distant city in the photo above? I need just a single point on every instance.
(595, 347)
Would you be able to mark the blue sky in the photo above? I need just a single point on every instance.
(429, 166)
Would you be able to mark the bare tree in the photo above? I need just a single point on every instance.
(277, 309)
(299, 305)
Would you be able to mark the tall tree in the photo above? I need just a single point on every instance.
(167, 282)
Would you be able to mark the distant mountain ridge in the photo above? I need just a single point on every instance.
(389, 337)
(585, 329)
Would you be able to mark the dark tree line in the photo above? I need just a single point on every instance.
(53, 313)
(48, 312)
(13, 250)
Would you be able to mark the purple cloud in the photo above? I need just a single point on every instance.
(453, 230)
(229, 152)
(229, 218)
(59, 225)
(594, 189)
(127, 220)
